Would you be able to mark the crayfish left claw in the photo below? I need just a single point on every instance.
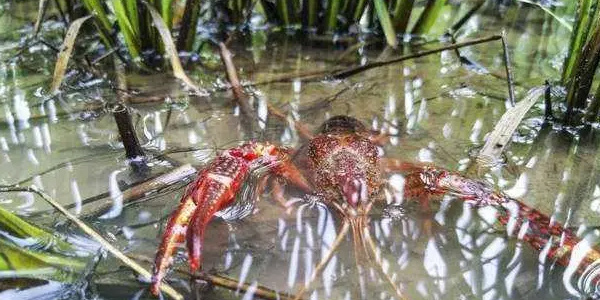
(174, 234)
(195, 241)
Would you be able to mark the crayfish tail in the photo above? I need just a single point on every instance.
(174, 234)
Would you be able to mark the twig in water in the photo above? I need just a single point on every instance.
(242, 98)
(466, 17)
(227, 282)
(143, 188)
(509, 77)
(92, 233)
(547, 101)
(238, 92)
(344, 73)
(133, 150)
(42, 8)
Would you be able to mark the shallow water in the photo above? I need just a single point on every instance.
(438, 109)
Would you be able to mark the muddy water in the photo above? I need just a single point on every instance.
(436, 109)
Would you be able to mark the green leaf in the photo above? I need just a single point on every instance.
(429, 16)
(132, 40)
(18, 227)
(17, 258)
(386, 22)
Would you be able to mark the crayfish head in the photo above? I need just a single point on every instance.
(342, 124)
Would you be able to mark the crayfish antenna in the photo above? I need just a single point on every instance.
(372, 247)
(325, 260)
(174, 234)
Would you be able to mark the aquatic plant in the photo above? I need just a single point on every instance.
(27, 251)
(338, 16)
(581, 63)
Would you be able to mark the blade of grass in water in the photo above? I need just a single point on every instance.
(95, 8)
(589, 60)
(359, 10)
(284, 12)
(401, 15)
(17, 258)
(187, 33)
(132, 41)
(101, 20)
(14, 225)
(165, 287)
(578, 39)
(582, 77)
(430, 14)
(331, 15)
(165, 9)
(310, 12)
(386, 22)
(170, 49)
(132, 16)
(65, 53)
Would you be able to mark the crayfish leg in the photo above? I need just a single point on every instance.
(175, 232)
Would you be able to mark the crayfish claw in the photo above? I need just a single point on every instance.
(195, 241)
(174, 233)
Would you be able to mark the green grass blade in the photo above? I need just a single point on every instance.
(17, 258)
(578, 38)
(170, 49)
(95, 8)
(429, 16)
(65, 53)
(132, 41)
(359, 10)
(310, 12)
(590, 58)
(187, 33)
(166, 7)
(17, 226)
(133, 17)
(331, 15)
(401, 15)
(101, 20)
(284, 12)
(386, 23)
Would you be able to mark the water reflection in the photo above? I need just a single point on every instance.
(435, 110)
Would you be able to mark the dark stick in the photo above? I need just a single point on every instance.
(344, 73)
(320, 74)
(466, 17)
(43, 6)
(547, 102)
(133, 149)
(62, 14)
(509, 78)
(130, 141)
(242, 99)
(238, 92)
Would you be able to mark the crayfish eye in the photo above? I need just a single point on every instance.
(342, 124)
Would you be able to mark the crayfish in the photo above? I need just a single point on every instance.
(342, 166)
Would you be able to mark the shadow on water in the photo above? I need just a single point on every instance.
(436, 109)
